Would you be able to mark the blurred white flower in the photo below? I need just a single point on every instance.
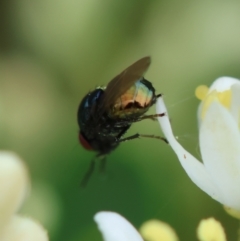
(14, 185)
(114, 227)
(219, 139)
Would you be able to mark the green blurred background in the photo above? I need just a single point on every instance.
(54, 51)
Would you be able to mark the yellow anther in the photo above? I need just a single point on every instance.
(225, 98)
(155, 230)
(201, 92)
(210, 229)
(213, 96)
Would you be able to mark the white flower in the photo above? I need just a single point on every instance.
(219, 139)
(14, 185)
(114, 227)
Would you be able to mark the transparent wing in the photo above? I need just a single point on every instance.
(122, 82)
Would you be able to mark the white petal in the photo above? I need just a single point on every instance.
(199, 114)
(235, 102)
(13, 185)
(114, 227)
(195, 169)
(223, 83)
(44, 200)
(24, 229)
(220, 149)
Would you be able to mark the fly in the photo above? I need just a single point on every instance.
(106, 113)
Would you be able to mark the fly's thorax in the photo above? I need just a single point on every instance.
(135, 101)
(88, 105)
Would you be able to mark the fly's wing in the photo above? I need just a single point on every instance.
(122, 82)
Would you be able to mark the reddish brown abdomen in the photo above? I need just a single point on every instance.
(136, 99)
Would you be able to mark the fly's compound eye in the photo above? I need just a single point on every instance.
(84, 142)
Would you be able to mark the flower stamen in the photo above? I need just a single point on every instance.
(201, 92)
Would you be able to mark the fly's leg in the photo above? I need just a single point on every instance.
(88, 173)
(155, 137)
(122, 132)
(152, 117)
(141, 135)
(129, 138)
(91, 168)
(102, 166)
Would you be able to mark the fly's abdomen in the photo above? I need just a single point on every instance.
(135, 101)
